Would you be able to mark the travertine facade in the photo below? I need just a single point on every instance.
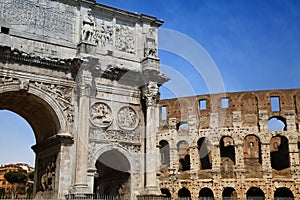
(220, 146)
(86, 78)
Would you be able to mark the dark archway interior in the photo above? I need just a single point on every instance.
(166, 192)
(185, 163)
(279, 153)
(206, 192)
(283, 192)
(113, 179)
(204, 154)
(183, 192)
(35, 110)
(227, 151)
(229, 192)
(255, 192)
(164, 152)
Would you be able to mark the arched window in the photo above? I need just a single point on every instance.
(279, 147)
(255, 193)
(204, 146)
(283, 193)
(227, 153)
(164, 149)
(277, 124)
(252, 150)
(206, 194)
(184, 194)
(229, 193)
(184, 157)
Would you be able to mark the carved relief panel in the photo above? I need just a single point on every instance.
(101, 115)
(46, 174)
(39, 16)
(127, 118)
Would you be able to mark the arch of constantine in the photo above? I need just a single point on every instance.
(86, 78)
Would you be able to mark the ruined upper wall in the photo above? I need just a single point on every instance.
(57, 28)
(243, 109)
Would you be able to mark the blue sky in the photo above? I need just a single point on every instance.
(254, 44)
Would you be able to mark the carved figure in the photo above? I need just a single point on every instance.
(124, 39)
(151, 94)
(47, 174)
(150, 45)
(103, 34)
(88, 27)
(100, 115)
(127, 118)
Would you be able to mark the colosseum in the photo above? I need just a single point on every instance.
(224, 146)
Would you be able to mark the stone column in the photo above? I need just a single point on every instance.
(266, 160)
(216, 161)
(240, 162)
(64, 160)
(263, 120)
(151, 97)
(81, 185)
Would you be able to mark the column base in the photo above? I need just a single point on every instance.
(80, 191)
(151, 190)
(150, 196)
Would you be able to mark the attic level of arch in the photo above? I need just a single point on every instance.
(233, 110)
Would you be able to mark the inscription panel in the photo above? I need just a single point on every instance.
(40, 17)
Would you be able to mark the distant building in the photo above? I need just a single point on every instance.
(20, 167)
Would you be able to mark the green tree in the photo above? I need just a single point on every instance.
(14, 177)
(2, 192)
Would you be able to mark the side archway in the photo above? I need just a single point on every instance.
(50, 128)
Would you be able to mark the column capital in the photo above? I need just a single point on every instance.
(84, 89)
(151, 94)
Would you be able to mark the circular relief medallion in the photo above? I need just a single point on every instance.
(127, 118)
(100, 115)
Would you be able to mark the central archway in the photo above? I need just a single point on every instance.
(114, 179)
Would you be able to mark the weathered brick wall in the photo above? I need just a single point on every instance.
(261, 158)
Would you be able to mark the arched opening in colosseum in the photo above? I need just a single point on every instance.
(229, 193)
(45, 124)
(255, 193)
(252, 156)
(184, 194)
(227, 153)
(277, 124)
(206, 194)
(166, 192)
(164, 149)
(184, 155)
(279, 148)
(113, 180)
(204, 152)
(283, 193)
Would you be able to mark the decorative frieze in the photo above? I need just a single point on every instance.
(114, 135)
(62, 94)
(43, 15)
